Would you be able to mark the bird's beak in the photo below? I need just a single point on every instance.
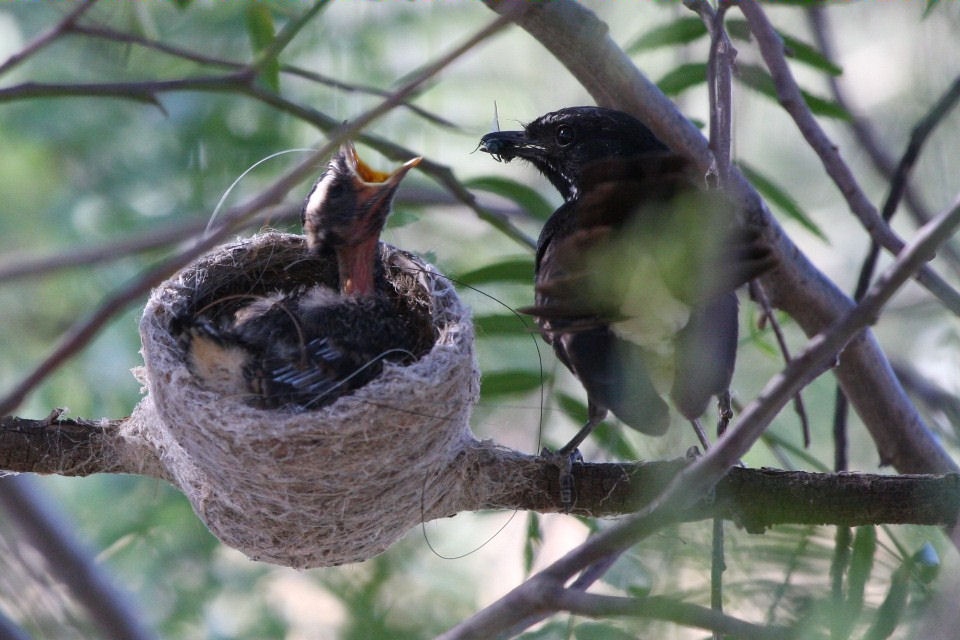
(371, 180)
(504, 146)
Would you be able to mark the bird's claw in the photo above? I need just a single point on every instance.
(564, 463)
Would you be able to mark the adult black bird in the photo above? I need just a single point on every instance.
(636, 271)
(304, 348)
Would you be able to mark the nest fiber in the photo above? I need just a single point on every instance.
(312, 488)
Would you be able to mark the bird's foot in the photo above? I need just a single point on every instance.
(564, 460)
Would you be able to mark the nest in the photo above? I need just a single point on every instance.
(313, 488)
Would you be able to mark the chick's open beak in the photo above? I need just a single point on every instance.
(371, 179)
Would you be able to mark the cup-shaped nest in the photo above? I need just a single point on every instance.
(315, 487)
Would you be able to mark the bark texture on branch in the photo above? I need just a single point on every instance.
(73, 447)
(498, 478)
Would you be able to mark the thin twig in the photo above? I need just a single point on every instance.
(43, 40)
(428, 72)
(13, 266)
(361, 88)
(106, 33)
(719, 87)
(139, 91)
(788, 92)
(757, 293)
(663, 608)
(898, 182)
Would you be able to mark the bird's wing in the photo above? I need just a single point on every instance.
(658, 207)
(575, 319)
(615, 374)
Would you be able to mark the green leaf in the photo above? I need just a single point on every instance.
(510, 381)
(683, 77)
(629, 574)
(808, 54)
(795, 48)
(825, 107)
(861, 564)
(894, 604)
(261, 31)
(738, 30)
(509, 270)
(573, 407)
(553, 630)
(776, 194)
(771, 439)
(759, 80)
(681, 31)
(502, 324)
(525, 197)
(401, 218)
(533, 541)
(600, 631)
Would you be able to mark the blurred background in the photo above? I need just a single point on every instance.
(80, 173)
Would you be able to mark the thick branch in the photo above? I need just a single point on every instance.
(68, 447)
(753, 498)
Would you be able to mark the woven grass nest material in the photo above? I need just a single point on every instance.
(314, 488)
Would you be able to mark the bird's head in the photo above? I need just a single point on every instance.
(345, 213)
(562, 144)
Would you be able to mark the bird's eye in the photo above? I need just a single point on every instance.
(565, 135)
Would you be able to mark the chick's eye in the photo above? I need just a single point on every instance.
(565, 135)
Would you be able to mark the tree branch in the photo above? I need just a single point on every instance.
(106, 33)
(48, 37)
(754, 499)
